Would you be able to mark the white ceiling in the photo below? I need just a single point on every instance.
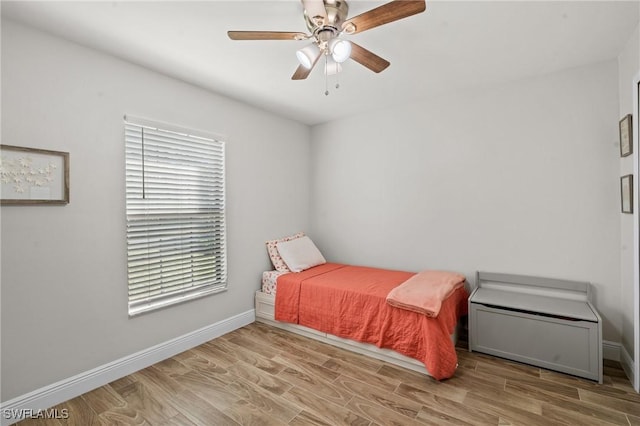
(454, 45)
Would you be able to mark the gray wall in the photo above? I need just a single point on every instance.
(519, 178)
(64, 292)
(628, 69)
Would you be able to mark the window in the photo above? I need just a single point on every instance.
(175, 202)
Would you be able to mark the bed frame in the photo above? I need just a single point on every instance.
(265, 312)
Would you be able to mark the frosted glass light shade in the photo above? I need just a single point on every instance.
(307, 55)
(340, 49)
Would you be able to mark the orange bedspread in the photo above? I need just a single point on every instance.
(350, 302)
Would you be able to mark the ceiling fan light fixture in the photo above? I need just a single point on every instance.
(340, 49)
(326, 21)
(307, 55)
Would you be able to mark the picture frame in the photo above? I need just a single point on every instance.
(33, 176)
(626, 193)
(626, 136)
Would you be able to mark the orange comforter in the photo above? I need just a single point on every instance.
(350, 302)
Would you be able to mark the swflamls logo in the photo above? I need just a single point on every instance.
(29, 413)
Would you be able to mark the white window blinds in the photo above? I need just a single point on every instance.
(175, 202)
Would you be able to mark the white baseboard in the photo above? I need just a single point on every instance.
(627, 365)
(41, 399)
(611, 350)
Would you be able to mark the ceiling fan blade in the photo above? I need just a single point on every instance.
(266, 35)
(316, 11)
(389, 12)
(303, 72)
(367, 58)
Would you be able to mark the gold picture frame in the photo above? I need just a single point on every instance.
(626, 193)
(626, 136)
(33, 176)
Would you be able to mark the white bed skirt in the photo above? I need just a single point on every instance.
(265, 312)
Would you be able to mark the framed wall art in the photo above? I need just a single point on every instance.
(626, 193)
(626, 136)
(33, 176)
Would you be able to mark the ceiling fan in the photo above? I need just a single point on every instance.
(327, 22)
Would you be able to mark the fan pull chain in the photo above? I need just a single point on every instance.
(326, 76)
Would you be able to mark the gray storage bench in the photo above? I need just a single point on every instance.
(545, 322)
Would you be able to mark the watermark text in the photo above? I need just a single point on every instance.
(29, 413)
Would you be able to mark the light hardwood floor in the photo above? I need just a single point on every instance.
(265, 376)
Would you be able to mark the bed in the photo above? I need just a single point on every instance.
(346, 306)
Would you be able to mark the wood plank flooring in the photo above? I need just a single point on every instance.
(260, 375)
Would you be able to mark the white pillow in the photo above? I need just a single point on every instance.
(276, 259)
(300, 254)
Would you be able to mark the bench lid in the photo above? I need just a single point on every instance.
(557, 307)
(550, 296)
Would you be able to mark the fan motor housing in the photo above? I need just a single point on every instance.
(337, 11)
